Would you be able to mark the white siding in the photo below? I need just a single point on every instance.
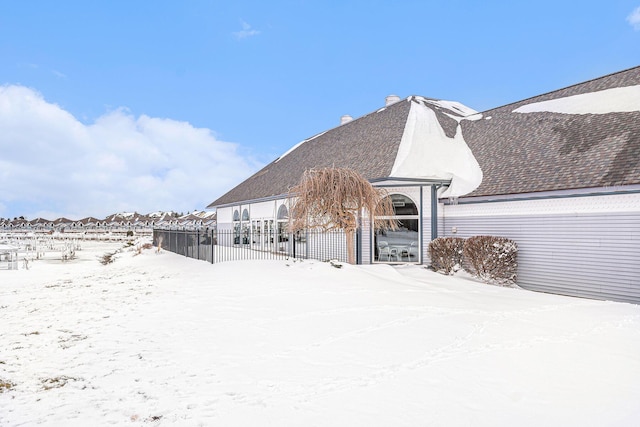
(224, 215)
(366, 242)
(257, 211)
(580, 246)
(426, 224)
(265, 210)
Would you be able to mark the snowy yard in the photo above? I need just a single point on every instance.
(159, 339)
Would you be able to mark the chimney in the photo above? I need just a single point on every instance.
(345, 119)
(391, 99)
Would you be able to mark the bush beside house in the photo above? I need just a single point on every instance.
(491, 259)
(446, 254)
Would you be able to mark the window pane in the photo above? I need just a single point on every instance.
(283, 213)
(399, 245)
(403, 205)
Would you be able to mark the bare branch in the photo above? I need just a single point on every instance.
(332, 198)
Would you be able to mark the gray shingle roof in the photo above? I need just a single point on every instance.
(543, 151)
(368, 144)
(517, 152)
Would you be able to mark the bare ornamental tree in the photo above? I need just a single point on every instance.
(333, 199)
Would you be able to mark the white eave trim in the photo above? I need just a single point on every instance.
(554, 194)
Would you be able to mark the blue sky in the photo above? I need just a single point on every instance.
(110, 106)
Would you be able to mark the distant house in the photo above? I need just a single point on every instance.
(559, 173)
(141, 221)
(88, 223)
(120, 223)
(61, 224)
(40, 224)
(196, 220)
(165, 220)
(19, 224)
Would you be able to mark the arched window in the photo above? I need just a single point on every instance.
(282, 221)
(283, 212)
(401, 245)
(245, 226)
(403, 205)
(236, 227)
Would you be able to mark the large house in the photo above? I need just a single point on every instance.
(558, 173)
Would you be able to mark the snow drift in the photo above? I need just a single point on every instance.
(426, 152)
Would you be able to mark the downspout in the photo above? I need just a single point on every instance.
(421, 235)
(359, 240)
(373, 238)
(434, 211)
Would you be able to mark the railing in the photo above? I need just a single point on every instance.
(8, 259)
(217, 246)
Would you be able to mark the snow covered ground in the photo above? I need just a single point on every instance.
(159, 339)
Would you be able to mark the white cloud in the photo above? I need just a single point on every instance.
(52, 163)
(59, 74)
(28, 65)
(246, 31)
(634, 19)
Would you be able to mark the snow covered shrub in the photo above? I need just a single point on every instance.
(5, 385)
(107, 258)
(446, 254)
(140, 247)
(57, 382)
(492, 259)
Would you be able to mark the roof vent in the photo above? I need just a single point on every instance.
(391, 99)
(345, 119)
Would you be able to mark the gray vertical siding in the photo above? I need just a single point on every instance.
(427, 237)
(593, 255)
(426, 226)
(366, 244)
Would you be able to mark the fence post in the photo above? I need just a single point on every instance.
(212, 246)
(358, 245)
(198, 237)
(293, 239)
(306, 240)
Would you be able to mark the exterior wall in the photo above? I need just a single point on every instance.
(268, 211)
(366, 237)
(265, 210)
(580, 246)
(225, 218)
(257, 211)
(427, 236)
